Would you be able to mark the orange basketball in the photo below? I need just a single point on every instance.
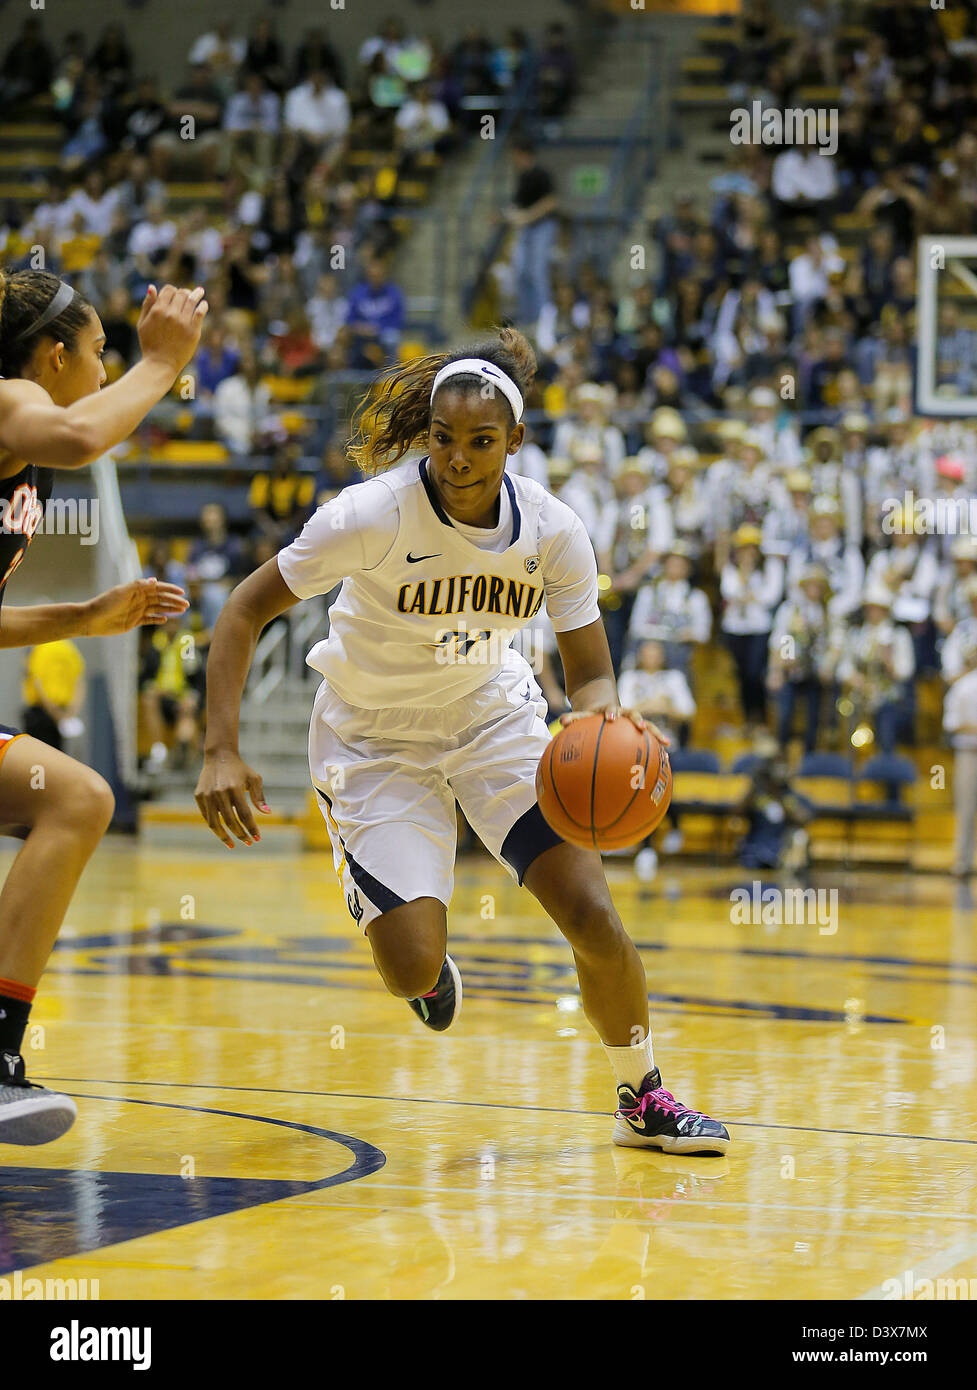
(604, 784)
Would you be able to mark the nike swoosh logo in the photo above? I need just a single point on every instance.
(414, 559)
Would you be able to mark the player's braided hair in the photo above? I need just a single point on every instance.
(395, 414)
(24, 295)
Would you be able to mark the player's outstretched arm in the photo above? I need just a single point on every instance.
(143, 601)
(227, 785)
(36, 430)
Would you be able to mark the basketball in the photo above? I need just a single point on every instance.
(603, 783)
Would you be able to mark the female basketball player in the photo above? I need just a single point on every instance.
(424, 702)
(54, 415)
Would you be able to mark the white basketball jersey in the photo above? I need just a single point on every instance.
(433, 621)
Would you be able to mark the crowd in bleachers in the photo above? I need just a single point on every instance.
(314, 154)
(784, 306)
(733, 423)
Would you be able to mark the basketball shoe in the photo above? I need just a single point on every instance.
(440, 1008)
(30, 1114)
(653, 1119)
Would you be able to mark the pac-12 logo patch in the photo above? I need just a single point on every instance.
(532, 564)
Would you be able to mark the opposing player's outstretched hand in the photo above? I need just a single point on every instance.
(130, 605)
(225, 785)
(170, 323)
(612, 712)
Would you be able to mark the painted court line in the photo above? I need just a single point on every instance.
(489, 1105)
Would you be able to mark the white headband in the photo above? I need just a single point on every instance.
(477, 366)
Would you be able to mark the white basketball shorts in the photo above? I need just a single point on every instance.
(387, 781)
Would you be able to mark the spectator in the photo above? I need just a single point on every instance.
(421, 125)
(960, 724)
(751, 589)
(328, 308)
(86, 120)
(670, 610)
(678, 506)
(143, 119)
(216, 360)
(776, 816)
(317, 118)
(193, 142)
(221, 53)
(375, 316)
(111, 60)
(281, 499)
(876, 664)
(151, 238)
(121, 340)
(662, 695)
(961, 636)
(555, 73)
(804, 182)
(588, 428)
(171, 689)
(804, 649)
(241, 405)
(252, 119)
(825, 545)
(315, 54)
(53, 692)
(216, 561)
(950, 604)
(265, 56)
(532, 214)
(28, 65)
(830, 478)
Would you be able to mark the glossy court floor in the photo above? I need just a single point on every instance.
(259, 1119)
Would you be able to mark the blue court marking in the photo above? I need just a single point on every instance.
(54, 1213)
(181, 934)
(474, 1104)
(504, 991)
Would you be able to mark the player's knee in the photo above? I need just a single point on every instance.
(85, 806)
(414, 974)
(590, 923)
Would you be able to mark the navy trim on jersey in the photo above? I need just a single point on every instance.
(432, 496)
(516, 518)
(443, 516)
(379, 894)
(527, 840)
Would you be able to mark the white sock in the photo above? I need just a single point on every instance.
(631, 1064)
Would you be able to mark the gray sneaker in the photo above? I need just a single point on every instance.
(30, 1114)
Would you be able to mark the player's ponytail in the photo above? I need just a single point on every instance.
(26, 298)
(395, 414)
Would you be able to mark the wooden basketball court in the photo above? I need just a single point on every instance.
(258, 1118)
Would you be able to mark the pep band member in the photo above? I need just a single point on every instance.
(53, 414)
(423, 701)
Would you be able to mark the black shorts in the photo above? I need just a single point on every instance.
(7, 736)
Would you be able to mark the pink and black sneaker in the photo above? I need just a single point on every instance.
(440, 1008)
(654, 1119)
